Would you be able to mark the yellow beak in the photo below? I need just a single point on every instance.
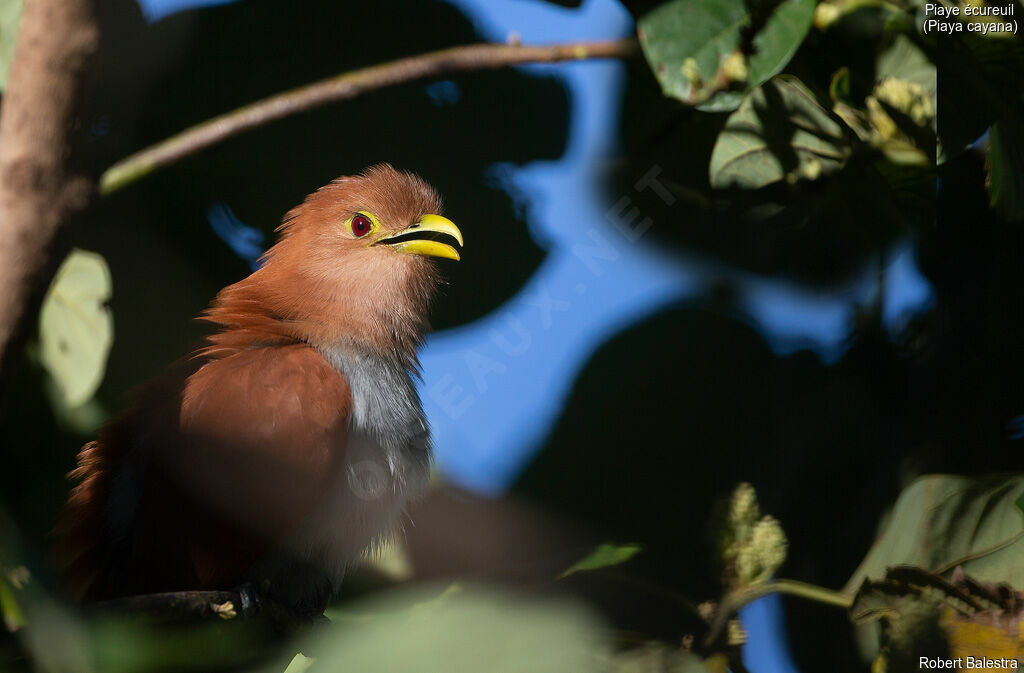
(432, 236)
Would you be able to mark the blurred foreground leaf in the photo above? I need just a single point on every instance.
(392, 560)
(687, 43)
(780, 131)
(605, 555)
(299, 664)
(76, 328)
(941, 521)
(660, 658)
(55, 638)
(475, 629)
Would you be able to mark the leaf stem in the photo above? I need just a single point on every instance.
(735, 600)
(343, 87)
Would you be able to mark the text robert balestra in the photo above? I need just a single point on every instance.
(936, 664)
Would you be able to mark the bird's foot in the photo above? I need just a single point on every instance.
(250, 599)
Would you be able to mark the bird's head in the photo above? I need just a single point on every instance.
(355, 263)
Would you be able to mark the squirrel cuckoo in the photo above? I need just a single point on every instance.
(288, 445)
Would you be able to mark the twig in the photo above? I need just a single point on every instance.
(55, 41)
(344, 86)
(737, 599)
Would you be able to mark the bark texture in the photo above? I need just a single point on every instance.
(55, 42)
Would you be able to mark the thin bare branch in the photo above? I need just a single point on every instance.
(735, 600)
(345, 86)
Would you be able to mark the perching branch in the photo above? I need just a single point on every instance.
(192, 606)
(181, 605)
(343, 87)
(37, 192)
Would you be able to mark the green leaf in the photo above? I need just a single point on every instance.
(839, 88)
(943, 521)
(980, 85)
(912, 611)
(300, 663)
(779, 131)
(477, 629)
(11, 613)
(655, 657)
(605, 555)
(1005, 162)
(903, 60)
(701, 35)
(76, 327)
(10, 18)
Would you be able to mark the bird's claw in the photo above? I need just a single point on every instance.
(249, 600)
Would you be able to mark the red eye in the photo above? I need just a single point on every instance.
(361, 225)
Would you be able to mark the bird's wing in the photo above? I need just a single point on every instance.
(263, 436)
(229, 456)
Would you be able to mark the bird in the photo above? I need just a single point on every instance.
(287, 446)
